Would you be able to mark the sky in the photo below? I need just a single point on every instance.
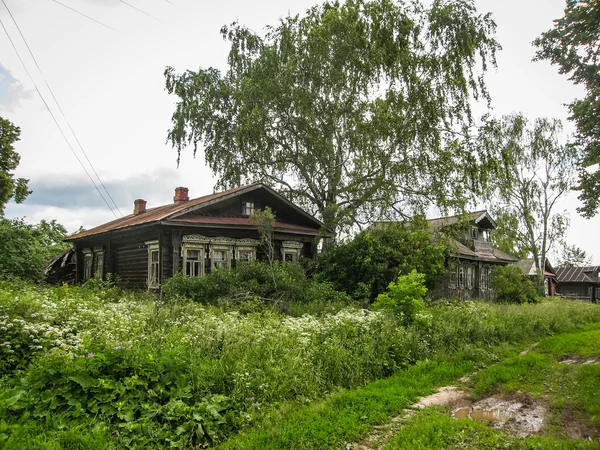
(110, 85)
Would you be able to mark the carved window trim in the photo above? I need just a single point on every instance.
(194, 242)
(245, 246)
(221, 244)
(475, 233)
(461, 276)
(99, 262)
(153, 264)
(88, 263)
(293, 249)
(452, 277)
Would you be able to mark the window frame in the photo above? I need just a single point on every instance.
(153, 280)
(88, 264)
(245, 246)
(452, 279)
(223, 244)
(247, 208)
(292, 248)
(98, 264)
(194, 242)
(483, 278)
(475, 233)
(461, 276)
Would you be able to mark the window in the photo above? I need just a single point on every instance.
(193, 252)
(99, 263)
(461, 277)
(247, 208)
(192, 263)
(485, 235)
(220, 258)
(452, 280)
(474, 233)
(483, 279)
(221, 248)
(470, 276)
(87, 264)
(153, 264)
(291, 251)
(245, 250)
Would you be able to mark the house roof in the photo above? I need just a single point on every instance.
(174, 212)
(475, 216)
(462, 250)
(578, 274)
(528, 267)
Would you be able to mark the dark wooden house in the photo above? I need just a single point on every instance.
(579, 282)
(192, 236)
(473, 255)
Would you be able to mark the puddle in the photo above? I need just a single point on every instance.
(514, 416)
(576, 359)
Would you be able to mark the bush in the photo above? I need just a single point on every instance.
(405, 297)
(365, 266)
(281, 283)
(512, 286)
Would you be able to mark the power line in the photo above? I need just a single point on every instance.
(84, 15)
(141, 10)
(60, 109)
(54, 118)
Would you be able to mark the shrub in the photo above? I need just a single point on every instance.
(512, 286)
(281, 283)
(365, 266)
(405, 297)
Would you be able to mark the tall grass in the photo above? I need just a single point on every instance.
(178, 374)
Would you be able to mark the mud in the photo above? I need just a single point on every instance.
(519, 415)
(576, 359)
(443, 396)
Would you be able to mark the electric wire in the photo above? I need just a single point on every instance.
(84, 15)
(54, 118)
(141, 10)
(61, 110)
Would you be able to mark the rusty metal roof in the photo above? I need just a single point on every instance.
(173, 209)
(578, 274)
(244, 221)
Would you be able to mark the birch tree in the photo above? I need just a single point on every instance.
(352, 110)
(536, 172)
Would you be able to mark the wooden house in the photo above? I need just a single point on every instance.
(473, 255)
(530, 270)
(579, 282)
(192, 236)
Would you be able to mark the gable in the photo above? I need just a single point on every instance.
(259, 197)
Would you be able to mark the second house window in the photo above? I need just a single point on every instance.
(247, 208)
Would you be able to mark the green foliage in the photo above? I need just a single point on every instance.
(280, 283)
(406, 297)
(573, 256)
(574, 46)
(26, 249)
(365, 266)
(535, 172)
(9, 160)
(356, 101)
(513, 286)
(150, 373)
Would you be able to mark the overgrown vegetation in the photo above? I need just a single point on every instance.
(365, 266)
(26, 249)
(97, 367)
(513, 286)
(255, 285)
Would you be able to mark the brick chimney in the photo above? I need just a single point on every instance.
(181, 195)
(139, 206)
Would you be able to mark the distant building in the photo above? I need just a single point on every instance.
(579, 282)
(528, 267)
(473, 255)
